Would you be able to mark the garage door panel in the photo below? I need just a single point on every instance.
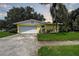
(27, 29)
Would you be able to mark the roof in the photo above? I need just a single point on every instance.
(53, 23)
(30, 21)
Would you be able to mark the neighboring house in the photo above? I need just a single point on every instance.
(35, 26)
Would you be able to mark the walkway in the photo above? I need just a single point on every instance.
(58, 43)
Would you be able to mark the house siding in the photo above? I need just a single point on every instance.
(38, 29)
(51, 27)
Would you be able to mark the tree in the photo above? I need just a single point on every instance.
(53, 11)
(2, 24)
(74, 19)
(20, 14)
(59, 14)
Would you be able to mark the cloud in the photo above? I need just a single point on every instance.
(69, 10)
(48, 17)
(72, 6)
(3, 14)
(3, 5)
(45, 11)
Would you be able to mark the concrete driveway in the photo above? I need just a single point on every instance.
(18, 45)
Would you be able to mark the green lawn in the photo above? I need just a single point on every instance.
(4, 34)
(59, 36)
(59, 51)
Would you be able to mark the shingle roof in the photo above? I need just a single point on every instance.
(30, 21)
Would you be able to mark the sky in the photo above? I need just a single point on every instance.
(42, 9)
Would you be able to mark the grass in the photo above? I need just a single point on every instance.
(72, 50)
(59, 36)
(4, 34)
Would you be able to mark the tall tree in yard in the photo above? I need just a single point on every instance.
(74, 17)
(53, 11)
(59, 14)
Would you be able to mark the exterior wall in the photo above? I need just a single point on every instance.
(17, 28)
(38, 29)
(51, 27)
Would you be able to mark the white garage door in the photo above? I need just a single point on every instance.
(27, 29)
